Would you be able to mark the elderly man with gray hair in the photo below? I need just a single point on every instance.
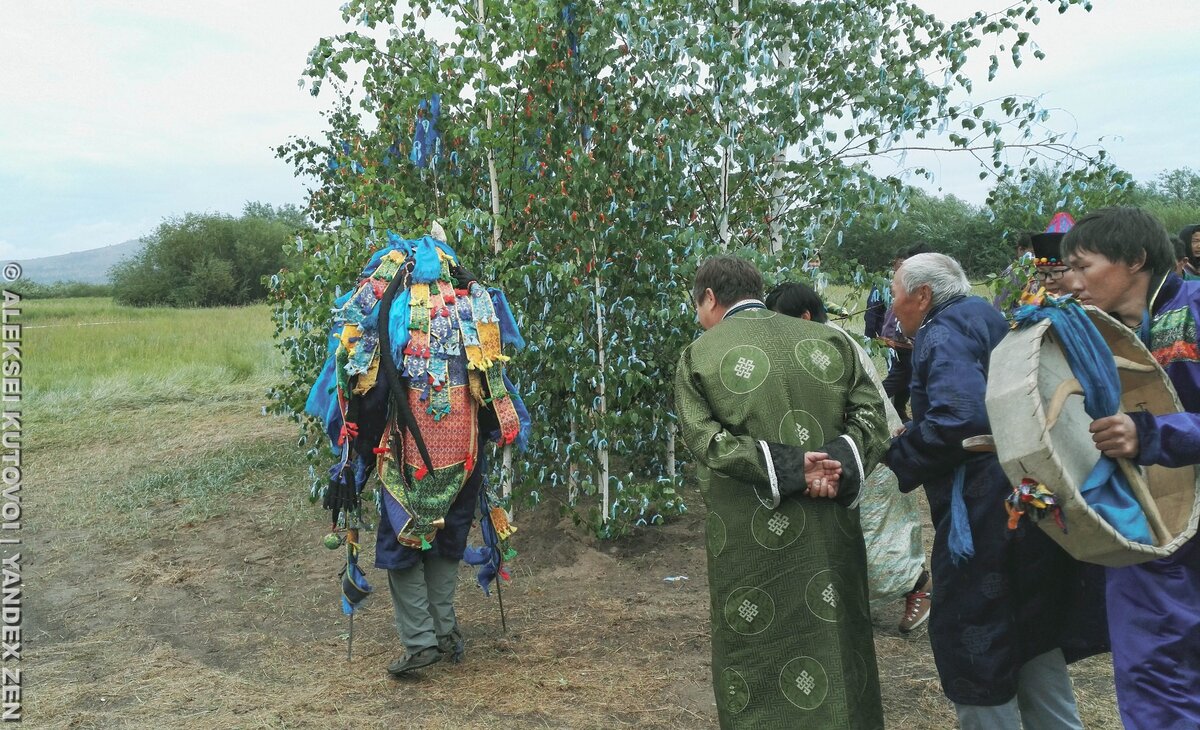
(1004, 625)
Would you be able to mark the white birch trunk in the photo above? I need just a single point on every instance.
(506, 459)
(775, 204)
(723, 226)
(602, 452)
(723, 229)
(671, 450)
(491, 159)
(572, 472)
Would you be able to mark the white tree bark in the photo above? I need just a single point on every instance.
(602, 452)
(572, 471)
(671, 450)
(775, 205)
(506, 458)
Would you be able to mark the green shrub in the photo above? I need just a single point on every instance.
(209, 260)
(62, 290)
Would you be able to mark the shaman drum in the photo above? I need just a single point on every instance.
(1040, 430)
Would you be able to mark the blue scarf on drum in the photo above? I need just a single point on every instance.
(1106, 490)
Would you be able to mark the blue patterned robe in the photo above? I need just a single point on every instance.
(1017, 597)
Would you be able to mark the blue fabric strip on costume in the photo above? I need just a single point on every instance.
(523, 418)
(509, 332)
(398, 329)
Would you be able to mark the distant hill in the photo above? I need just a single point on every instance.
(89, 267)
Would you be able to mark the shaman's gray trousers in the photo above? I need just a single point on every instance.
(423, 600)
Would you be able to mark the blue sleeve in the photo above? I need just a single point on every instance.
(953, 373)
(1172, 440)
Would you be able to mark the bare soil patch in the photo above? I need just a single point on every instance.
(231, 619)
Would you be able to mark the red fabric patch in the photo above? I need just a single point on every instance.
(1178, 351)
(379, 286)
(449, 438)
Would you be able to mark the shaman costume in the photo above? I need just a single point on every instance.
(414, 385)
(1014, 598)
(791, 632)
(1154, 608)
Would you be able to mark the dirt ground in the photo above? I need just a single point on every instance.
(145, 611)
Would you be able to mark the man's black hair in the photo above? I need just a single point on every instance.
(1185, 235)
(1025, 241)
(794, 299)
(731, 278)
(914, 250)
(1124, 234)
(1182, 250)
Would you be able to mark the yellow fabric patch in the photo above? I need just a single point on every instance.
(489, 339)
(500, 521)
(475, 359)
(349, 336)
(419, 295)
(367, 380)
(475, 380)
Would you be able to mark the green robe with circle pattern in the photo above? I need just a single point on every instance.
(792, 644)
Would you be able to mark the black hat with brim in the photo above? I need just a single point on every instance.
(1047, 249)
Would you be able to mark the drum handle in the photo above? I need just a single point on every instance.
(1142, 491)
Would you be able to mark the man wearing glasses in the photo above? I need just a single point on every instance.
(1052, 272)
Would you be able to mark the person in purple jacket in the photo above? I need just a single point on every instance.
(1123, 264)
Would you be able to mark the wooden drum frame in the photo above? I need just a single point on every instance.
(1040, 431)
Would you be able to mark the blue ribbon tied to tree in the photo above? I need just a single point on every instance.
(1106, 489)
(427, 141)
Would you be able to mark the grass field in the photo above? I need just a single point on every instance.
(175, 580)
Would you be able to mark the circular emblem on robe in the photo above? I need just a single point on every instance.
(977, 639)
(703, 475)
(715, 529)
(820, 359)
(744, 368)
(824, 596)
(723, 445)
(734, 693)
(804, 682)
(775, 529)
(993, 585)
(860, 665)
(935, 336)
(749, 610)
(845, 519)
(800, 428)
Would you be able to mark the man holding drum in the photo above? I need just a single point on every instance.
(1002, 620)
(1122, 263)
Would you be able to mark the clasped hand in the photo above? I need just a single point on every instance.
(821, 474)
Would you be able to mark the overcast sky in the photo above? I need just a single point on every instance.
(118, 113)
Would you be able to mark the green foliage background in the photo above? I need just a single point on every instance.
(629, 141)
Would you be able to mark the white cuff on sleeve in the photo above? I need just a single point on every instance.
(862, 478)
(771, 475)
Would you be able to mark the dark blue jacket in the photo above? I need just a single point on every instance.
(1020, 595)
